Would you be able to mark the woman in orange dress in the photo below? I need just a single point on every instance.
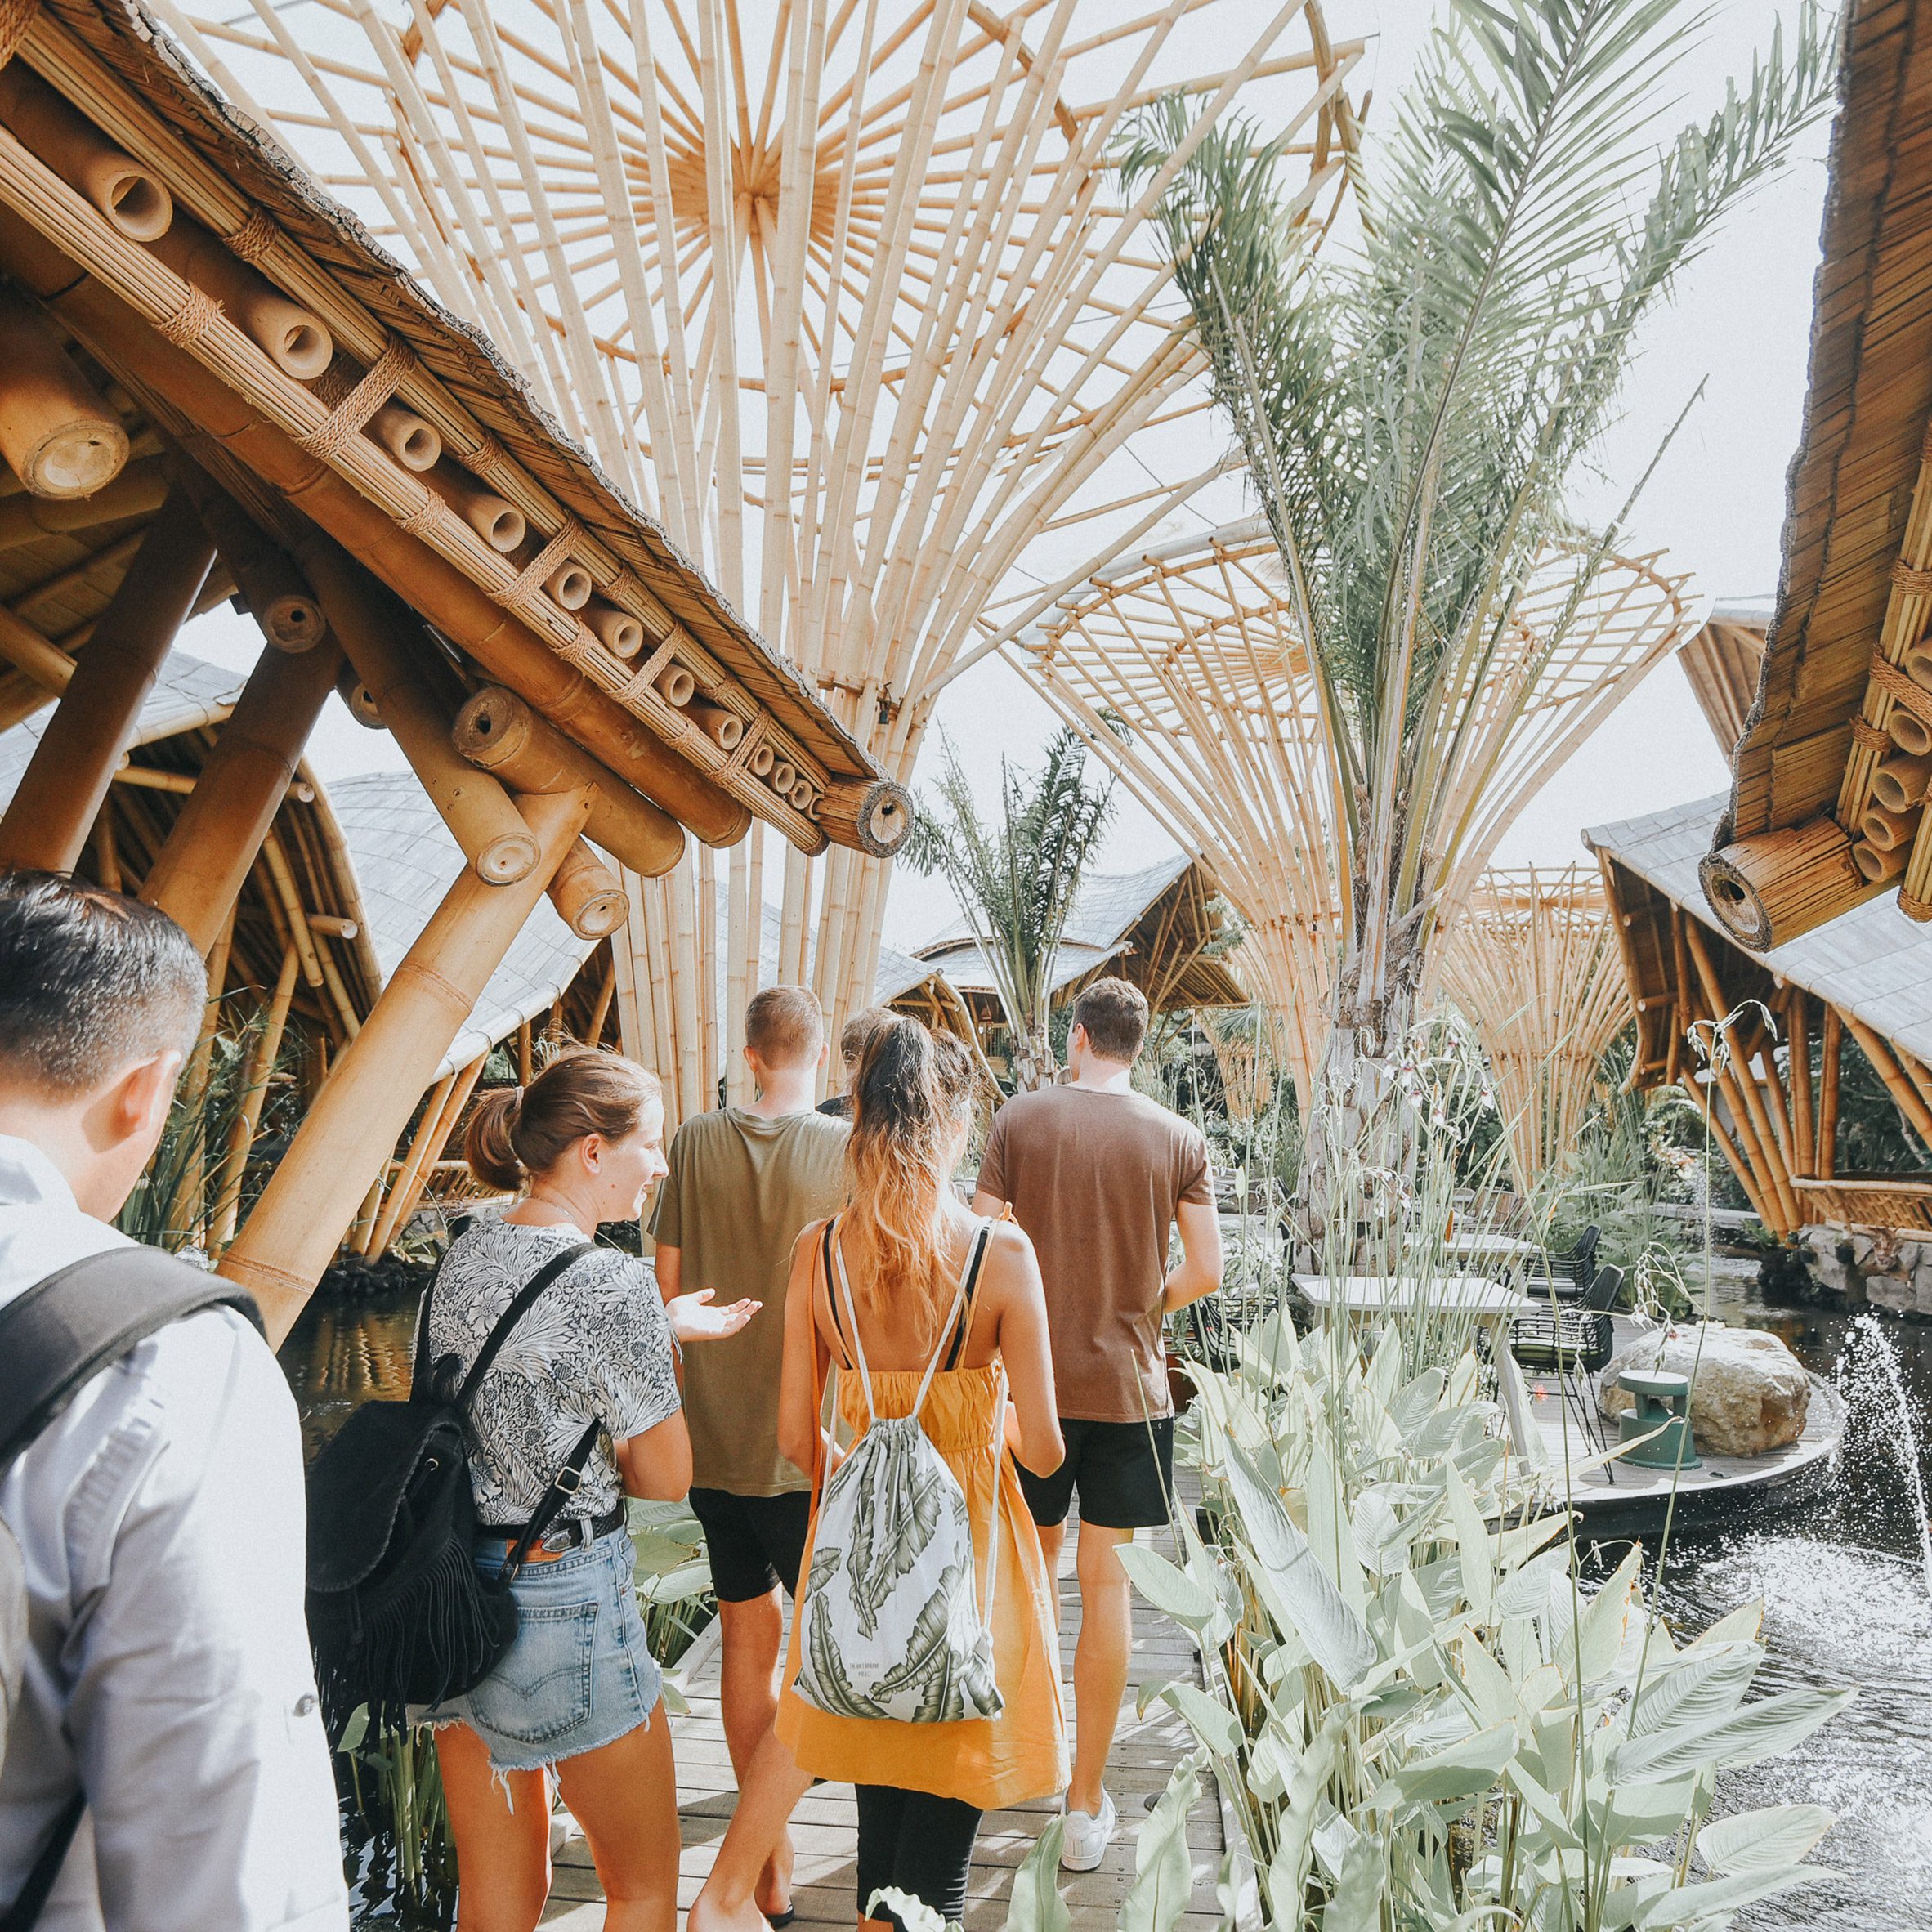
(906, 1244)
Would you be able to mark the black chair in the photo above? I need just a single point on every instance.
(1567, 1273)
(1573, 1342)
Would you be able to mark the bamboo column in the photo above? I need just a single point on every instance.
(201, 868)
(1832, 1049)
(439, 1116)
(1910, 1102)
(241, 1134)
(1804, 1122)
(66, 781)
(345, 1142)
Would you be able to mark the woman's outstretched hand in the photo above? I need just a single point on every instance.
(694, 1319)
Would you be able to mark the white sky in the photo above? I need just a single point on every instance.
(1740, 323)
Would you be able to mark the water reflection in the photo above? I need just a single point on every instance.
(1846, 1603)
(342, 1354)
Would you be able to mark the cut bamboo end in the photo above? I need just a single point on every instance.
(871, 817)
(1899, 784)
(293, 622)
(497, 731)
(294, 339)
(677, 686)
(1917, 664)
(132, 198)
(1909, 732)
(335, 927)
(412, 442)
(802, 797)
(569, 586)
(1887, 830)
(785, 775)
(619, 632)
(725, 729)
(589, 897)
(761, 759)
(1773, 887)
(139, 489)
(360, 700)
(500, 524)
(56, 434)
(1877, 867)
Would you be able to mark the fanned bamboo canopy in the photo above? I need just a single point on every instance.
(1533, 962)
(1723, 660)
(1182, 668)
(1846, 684)
(877, 332)
(1867, 974)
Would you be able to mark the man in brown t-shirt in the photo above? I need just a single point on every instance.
(743, 1182)
(1098, 1175)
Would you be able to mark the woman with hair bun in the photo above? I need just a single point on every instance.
(904, 1284)
(592, 1361)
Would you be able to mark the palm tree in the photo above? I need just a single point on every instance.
(1016, 881)
(1412, 409)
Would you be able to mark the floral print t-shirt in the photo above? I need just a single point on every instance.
(597, 1342)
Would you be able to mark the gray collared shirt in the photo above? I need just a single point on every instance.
(161, 1517)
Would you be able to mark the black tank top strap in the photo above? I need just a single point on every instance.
(975, 1263)
(827, 1235)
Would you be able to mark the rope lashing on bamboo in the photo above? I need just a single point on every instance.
(255, 236)
(17, 16)
(520, 593)
(352, 415)
(426, 516)
(1914, 909)
(1870, 737)
(1899, 688)
(1914, 583)
(484, 459)
(197, 314)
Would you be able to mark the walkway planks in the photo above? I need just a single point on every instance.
(825, 1825)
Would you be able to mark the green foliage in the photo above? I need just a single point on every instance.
(1411, 411)
(1017, 881)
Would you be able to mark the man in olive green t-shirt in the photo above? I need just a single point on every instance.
(743, 1182)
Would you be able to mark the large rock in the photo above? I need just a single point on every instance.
(1750, 1392)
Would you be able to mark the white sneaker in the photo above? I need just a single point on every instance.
(1087, 1837)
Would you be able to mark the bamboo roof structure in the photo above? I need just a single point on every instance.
(1812, 828)
(1162, 928)
(1723, 660)
(1533, 962)
(214, 382)
(1182, 668)
(1865, 978)
(877, 335)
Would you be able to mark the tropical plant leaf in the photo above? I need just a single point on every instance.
(1757, 1731)
(1163, 1871)
(1774, 1835)
(1036, 1905)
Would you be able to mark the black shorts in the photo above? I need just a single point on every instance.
(755, 1542)
(1123, 1470)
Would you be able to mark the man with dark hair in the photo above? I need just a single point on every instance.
(852, 1038)
(1098, 1175)
(744, 1182)
(160, 1515)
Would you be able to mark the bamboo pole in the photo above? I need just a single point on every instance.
(1803, 1122)
(56, 434)
(296, 340)
(67, 779)
(1911, 1102)
(593, 1034)
(1825, 1165)
(200, 871)
(355, 1122)
(142, 486)
(278, 599)
(497, 731)
(375, 1239)
(247, 1119)
(376, 629)
(589, 897)
(527, 1068)
(405, 1198)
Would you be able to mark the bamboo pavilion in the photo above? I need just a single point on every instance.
(1826, 805)
(212, 368)
(1722, 661)
(1532, 961)
(1181, 669)
(877, 338)
(1861, 984)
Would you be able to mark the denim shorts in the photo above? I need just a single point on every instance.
(580, 1675)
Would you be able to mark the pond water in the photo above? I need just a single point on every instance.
(1842, 1577)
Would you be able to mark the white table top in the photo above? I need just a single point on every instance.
(1489, 1240)
(1370, 1294)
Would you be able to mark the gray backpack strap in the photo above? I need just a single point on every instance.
(54, 1339)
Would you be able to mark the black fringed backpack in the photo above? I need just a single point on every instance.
(398, 1614)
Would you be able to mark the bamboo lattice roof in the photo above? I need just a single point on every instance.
(1873, 964)
(1183, 670)
(1858, 508)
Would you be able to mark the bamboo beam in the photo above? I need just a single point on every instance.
(378, 630)
(345, 1142)
(1775, 886)
(56, 434)
(201, 869)
(67, 779)
(141, 489)
(1911, 1102)
(589, 897)
(271, 586)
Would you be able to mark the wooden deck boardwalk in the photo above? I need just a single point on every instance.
(824, 1826)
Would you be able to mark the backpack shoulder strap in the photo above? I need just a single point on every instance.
(74, 1322)
(975, 1266)
(518, 1308)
